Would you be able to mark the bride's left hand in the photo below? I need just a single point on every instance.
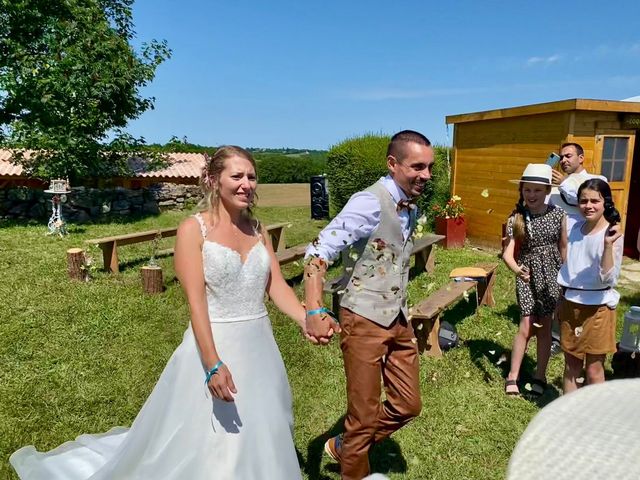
(221, 384)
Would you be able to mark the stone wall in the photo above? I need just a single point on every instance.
(84, 204)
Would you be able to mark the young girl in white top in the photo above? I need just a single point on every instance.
(587, 311)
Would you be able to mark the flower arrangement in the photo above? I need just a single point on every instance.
(452, 209)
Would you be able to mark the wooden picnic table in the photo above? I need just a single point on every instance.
(425, 315)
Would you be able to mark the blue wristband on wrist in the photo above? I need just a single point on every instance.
(322, 310)
(213, 371)
(317, 310)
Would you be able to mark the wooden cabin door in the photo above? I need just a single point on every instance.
(614, 156)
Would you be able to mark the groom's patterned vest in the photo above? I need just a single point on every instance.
(377, 289)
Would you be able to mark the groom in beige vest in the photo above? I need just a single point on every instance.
(376, 338)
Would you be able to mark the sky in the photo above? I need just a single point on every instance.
(301, 74)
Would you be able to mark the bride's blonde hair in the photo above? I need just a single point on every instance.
(210, 176)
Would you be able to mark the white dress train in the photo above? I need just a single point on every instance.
(181, 432)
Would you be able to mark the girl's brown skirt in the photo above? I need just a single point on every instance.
(587, 329)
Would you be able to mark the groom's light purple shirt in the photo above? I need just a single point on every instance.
(359, 217)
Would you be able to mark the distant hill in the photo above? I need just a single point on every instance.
(183, 146)
(275, 165)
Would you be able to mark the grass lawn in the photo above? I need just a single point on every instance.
(80, 358)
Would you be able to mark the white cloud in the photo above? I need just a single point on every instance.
(544, 61)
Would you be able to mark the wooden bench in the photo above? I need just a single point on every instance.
(109, 245)
(424, 262)
(291, 254)
(425, 316)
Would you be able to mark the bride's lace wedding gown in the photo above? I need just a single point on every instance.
(181, 432)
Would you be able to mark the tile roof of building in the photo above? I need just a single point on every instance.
(180, 166)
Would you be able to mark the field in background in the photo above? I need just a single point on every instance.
(284, 195)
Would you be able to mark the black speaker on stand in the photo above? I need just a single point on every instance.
(319, 197)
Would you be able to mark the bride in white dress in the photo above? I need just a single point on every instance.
(239, 424)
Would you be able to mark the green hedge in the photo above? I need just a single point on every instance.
(438, 191)
(278, 168)
(356, 163)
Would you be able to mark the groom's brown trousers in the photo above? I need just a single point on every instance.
(370, 352)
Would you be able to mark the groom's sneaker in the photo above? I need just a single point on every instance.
(333, 447)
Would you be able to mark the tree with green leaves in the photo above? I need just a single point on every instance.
(70, 81)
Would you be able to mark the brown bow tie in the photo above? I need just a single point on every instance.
(406, 204)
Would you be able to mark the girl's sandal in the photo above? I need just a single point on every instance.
(511, 388)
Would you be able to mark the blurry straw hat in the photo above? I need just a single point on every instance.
(592, 433)
(536, 173)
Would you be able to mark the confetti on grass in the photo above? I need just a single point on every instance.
(485, 193)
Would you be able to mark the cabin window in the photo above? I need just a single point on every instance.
(614, 158)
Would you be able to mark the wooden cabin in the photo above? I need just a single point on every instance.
(492, 147)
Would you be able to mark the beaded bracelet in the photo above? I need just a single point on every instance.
(213, 371)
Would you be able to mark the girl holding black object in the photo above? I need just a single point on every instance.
(587, 311)
(540, 231)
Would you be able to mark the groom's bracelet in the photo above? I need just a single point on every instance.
(322, 310)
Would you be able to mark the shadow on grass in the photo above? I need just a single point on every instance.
(460, 311)
(512, 311)
(78, 227)
(139, 262)
(385, 457)
(485, 352)
(295, 280)
(315, 449)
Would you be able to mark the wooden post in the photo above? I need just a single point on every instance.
(277, 239)
(426, 331)
(110, 256)
(152, 279)
(75, 264)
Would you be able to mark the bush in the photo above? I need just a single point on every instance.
(353, 165)
(358, 162)
(438, 190)
(278, 168)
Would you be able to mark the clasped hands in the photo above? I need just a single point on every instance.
(320, 326)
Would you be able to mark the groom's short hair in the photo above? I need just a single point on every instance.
(398, 141)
